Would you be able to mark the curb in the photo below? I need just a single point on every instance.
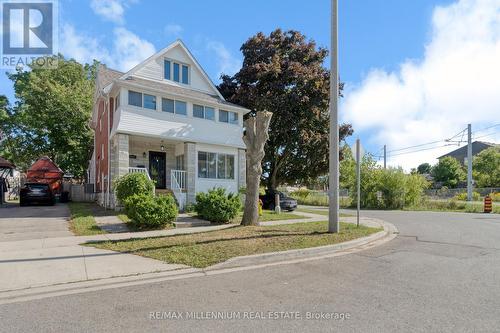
(389, 233)
(232, 265)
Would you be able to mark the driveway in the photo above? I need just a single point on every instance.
(33, 222)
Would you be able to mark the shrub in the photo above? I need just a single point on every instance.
(217, 206)
(301, 193)
(147, 211)
(463, 196)
(133, 184)
(495, 196)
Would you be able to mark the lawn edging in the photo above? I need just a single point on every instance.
(390, 232)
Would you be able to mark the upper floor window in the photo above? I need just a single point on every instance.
(228, 117)
(175, 71)
(177, 107)
(134, 98)
(185, 74)
(150, 102)
(206, 112)
(166, 65)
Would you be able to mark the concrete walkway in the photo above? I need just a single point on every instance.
(50, 261)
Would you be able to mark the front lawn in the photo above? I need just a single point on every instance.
(267, 215)
(82, 221)
(209, 248)
(320, 212)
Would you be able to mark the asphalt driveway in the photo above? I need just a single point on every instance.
(33, 222)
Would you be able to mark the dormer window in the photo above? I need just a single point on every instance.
(175, 71)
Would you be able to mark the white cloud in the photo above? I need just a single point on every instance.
(457, 82)
(130, 49)
(82, 48)
(110, 10)
(226, 62)
(127, 51)
(173, 29)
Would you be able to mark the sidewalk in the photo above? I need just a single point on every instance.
(52, 261)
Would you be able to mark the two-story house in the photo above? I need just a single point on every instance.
(166, 118)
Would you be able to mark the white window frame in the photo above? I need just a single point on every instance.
(204, 113)
(181, 75)
(216, 165)
(228, 114)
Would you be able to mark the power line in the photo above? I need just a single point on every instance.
(483, 136)
(423, 149)
(450, 139)
(483, 129)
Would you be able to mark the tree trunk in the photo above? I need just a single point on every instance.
(255, 138)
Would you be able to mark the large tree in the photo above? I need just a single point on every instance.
(284, 73)
(486, 168)
(51, 115)
(448, 171)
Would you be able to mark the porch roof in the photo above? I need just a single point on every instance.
(177, 128)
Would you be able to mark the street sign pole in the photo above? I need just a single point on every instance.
(358, 177)
(333, 210)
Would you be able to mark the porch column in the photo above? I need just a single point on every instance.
(190, 165)
(123, 154)
(242, 168)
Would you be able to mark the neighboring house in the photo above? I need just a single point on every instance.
(167, 119)
(461, 153)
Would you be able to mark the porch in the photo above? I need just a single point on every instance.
(173, 165)
(163, 161)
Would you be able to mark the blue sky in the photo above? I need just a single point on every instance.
(376, 36)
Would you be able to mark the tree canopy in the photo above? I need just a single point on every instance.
(424, 168)
(51, 116)
(486, 168)
(284, 74)
(448, 171)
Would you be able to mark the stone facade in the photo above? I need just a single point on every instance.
(190, 164)
(123, 154)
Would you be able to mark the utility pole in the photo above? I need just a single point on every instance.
(385, 156)
(358, 177)
(469, 162)
(333, 208)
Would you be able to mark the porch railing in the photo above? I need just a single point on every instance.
(178, 184)
(139, 170)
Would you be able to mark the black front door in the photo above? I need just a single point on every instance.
(157, 169)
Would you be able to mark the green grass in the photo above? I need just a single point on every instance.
(209, 248)
(453, 206)
(82, 221)
(323, 212)
(267, 215)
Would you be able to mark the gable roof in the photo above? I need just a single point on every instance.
(181, 44)
(477, 146)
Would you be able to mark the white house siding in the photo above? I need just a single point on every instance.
(157, 124)
(153, 69)
(205, 184)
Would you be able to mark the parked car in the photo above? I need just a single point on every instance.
(286, 203)
(36, 193)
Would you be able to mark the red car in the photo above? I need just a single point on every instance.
(36, 193)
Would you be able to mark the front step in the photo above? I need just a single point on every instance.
(186, 221)
(163, 191)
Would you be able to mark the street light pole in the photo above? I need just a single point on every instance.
(333, 210)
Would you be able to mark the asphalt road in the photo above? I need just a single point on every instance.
(441, 274)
